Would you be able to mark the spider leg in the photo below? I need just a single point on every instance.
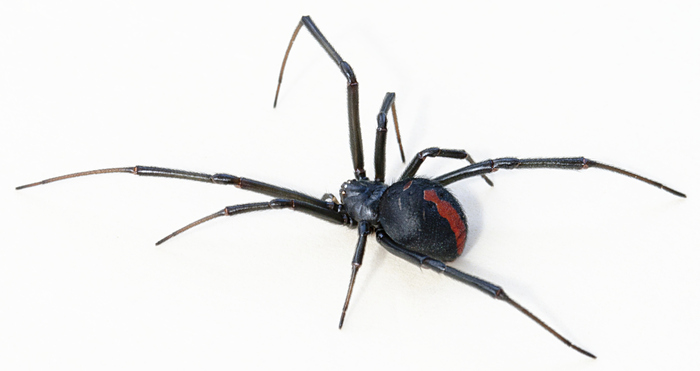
(226, 179)
(489, 288)
(570, 163)
(364, 230)
(420, 157)
(279, 203)
(380, 141)
(353, 97)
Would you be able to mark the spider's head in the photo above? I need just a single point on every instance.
(361, 199)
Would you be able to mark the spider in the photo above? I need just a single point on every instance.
(417, 219)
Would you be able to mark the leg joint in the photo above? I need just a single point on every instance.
(429, 152)
(225, 179)
(281, 203)
(381, 122)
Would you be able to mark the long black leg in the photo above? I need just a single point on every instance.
(570, 163)
(311, 209)
(363, 230)
(380, 141)
(226, 179)
(353, 94)
(489, 288)
(420, 157)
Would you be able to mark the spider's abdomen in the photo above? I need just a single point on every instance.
(424, 217)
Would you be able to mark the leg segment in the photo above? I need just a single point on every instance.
(417, 161)
(570, 163)
(380, 141)
(364, 230)
(226, 179)
(311, 209)
(485, 286)
(353, 97)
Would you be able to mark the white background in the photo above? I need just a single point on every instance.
(610, 262)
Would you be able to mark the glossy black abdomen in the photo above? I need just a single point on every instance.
(424, 217)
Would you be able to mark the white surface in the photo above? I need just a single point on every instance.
(608, 261)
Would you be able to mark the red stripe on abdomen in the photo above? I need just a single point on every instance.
(447, 211)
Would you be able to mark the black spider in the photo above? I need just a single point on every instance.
(415, 218)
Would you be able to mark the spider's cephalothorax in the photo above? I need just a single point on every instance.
(361, 199)
(416, 219)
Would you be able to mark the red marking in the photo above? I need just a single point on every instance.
(407, 185)
(447, 211)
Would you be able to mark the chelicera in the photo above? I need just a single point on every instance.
(417, 219)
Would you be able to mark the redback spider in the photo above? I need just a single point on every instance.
(417, 219)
